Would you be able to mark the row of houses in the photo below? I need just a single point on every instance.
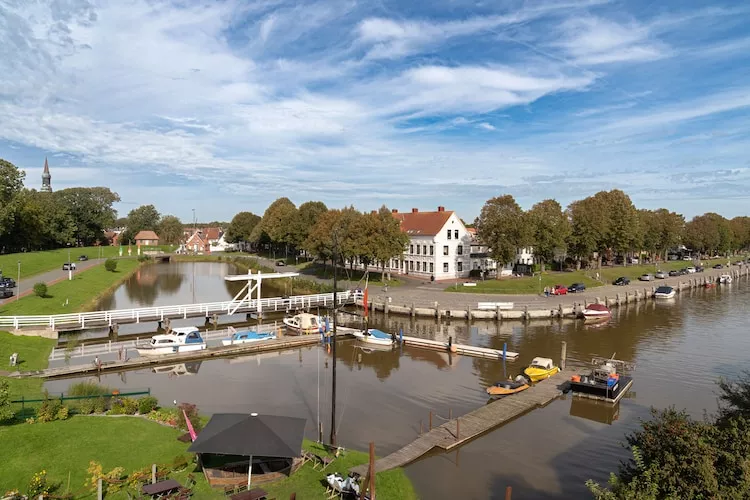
(198, 240)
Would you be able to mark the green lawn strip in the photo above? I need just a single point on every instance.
(354, 276)
(75, 295)
(65, 448)
(533, 285)
(33, 354)
(33, 263)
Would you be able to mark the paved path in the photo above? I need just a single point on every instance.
(25, 287)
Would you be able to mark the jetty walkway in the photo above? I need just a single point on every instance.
(463, 429)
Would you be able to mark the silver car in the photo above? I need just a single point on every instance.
(660, 275)
(646, 277)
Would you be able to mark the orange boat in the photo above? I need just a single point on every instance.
(709, 285)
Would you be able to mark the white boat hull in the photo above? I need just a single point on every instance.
(669, 295)
(371, 339)
(595, 314)
(172, 349)
(227, 342)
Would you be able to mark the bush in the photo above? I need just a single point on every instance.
(6, 410)
(87, 388)
(40, 289)
(110, 265)
(86, 406)
(165, 416)
(145, 258)
(116, 407)
(192, 413)
(52, 409)
(129, 406)
(180, 463)
(63, 413)
(100, 405)
(147, 404)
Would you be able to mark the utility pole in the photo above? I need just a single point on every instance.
(333, 339)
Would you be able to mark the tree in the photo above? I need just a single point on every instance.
(502, 226)
(391, 240)
(734, 398)
(278, 222)
(307, 215)
(740, 232)
(143, 218)
(623, 232)
(661, 230)
(91, 210)
(589, 227)
(708, 233)
(551, 229)
(11, 181)
(170, 230)
(319, 241)
(40, 289)
(242, 226)
(6, 408)
(110, 265)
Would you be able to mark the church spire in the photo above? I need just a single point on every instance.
(46, 178)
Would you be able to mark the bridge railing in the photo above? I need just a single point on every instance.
(184, 310)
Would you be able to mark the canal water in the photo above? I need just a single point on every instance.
(680, 348)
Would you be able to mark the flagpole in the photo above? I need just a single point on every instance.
(333, 340)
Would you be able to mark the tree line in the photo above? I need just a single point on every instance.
(602, 226)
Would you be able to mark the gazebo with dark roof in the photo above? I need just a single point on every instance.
(274, 441)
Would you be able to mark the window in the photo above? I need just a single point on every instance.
(459, 266)
(445, 250)
(432, 250)
(449, 234)
(411, 265)
(417, 264)
(460, 250)
(455, 233)
(411, 248)
(445, 267)
(424, 249)
(417, 249)
(432, 267)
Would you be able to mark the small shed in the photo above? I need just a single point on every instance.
(147, 238)
(237, 448)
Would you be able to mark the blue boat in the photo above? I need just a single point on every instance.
(246, 336)
(374, 336)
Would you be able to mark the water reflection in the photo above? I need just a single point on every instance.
(596, 411)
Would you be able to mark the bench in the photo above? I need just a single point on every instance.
(162, 488)
(493, 306)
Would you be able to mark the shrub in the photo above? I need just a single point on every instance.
(147, 404)
(116, 407)
(179, 463)
(100, 405)
(38, 485)
(129, 406)
(63, 413)
(164, 415)
(6, 410)
(40, 289)
(48, 411)
(144, 258)
(110, 265)
(87, 388)
(192, 413)
(87, 406)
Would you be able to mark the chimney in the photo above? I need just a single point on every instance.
(414, 210)
(394, 210)
(441, 209)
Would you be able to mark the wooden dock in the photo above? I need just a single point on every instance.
(463, 429)
(143, 361)
(467, 350)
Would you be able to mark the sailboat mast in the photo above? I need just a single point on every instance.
(333, 340)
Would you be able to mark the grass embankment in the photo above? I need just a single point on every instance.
(65, 448)
(33, 354)
(533, 285)
(33, 263)
(345, 274)
(76, 295)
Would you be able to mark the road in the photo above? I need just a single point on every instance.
(25, 287)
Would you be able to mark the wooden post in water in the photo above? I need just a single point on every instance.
(430, 419)
(508, 493)
(458, 428)
(563, 354)
(372, 470)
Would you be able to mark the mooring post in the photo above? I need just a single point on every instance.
(505, 349)
(563, 354)
(508, 493)
(450, 413)
(320, 432)
(153, 473)
(458, 428)
(413, 311)
(526, 313)
(401, 335)
(430, 419)
(421, 427)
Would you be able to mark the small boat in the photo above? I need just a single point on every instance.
(304, 323)
(664, 292)
(373, 336)
(246, 337)
(595, 311)
(603, 383)
(709, 284)
(508, 387)
(725, 279)
(540, 369)
(181, 339)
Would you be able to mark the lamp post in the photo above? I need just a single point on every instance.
(70, 267)
(18, 294)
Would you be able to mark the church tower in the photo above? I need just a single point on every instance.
(46, 178)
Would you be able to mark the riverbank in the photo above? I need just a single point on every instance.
(431, 300)
(82, 293)
(33, 354)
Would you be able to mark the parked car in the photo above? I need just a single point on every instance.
(698, 269)
(621, 281)
(576, 287)
(686, 257)
(683, 271)
(83, 257)
(559, 290)
(5, 293)
(718, 266)
(690, 270)
(69, 266)
(8, 282)
(646, 277)
(674, 272)
(660, 275)
(280, 263)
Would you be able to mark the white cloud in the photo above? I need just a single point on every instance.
(486, 126)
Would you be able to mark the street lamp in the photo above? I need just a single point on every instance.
(18, 293)
(70, 267)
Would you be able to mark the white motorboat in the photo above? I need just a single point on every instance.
(181, 339)
(373, 336)
(304, 323)
(246, 337)
(664, 292)
(596, 311)
(725, 279)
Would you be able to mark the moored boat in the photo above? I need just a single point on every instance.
(540, 369)
(246, 337)
(508, 387)
(181, 339)
(709, 284)
(596, 311)
(304, 323)
(603, 382)
(664, 292)
(373, 336)
(725, 279)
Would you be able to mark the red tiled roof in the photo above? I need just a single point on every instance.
(146, 235)
(472, 231)
(422, 223)
(195, 238)
(212, 233)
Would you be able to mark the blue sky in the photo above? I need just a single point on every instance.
(224, 106)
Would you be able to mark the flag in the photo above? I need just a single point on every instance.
(193, 435)
(365, 302)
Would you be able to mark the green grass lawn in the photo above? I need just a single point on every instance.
(33, 263)
(72, 296)
(65, 448)
(33, 354)
(533, 285)
(326, 272)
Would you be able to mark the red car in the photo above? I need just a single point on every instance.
(559, 290)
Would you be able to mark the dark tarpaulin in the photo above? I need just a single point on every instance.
(246, 435)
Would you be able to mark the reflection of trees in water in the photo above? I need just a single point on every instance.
(382, 362)
(152, 280)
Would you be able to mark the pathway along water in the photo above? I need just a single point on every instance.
(680, 347)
